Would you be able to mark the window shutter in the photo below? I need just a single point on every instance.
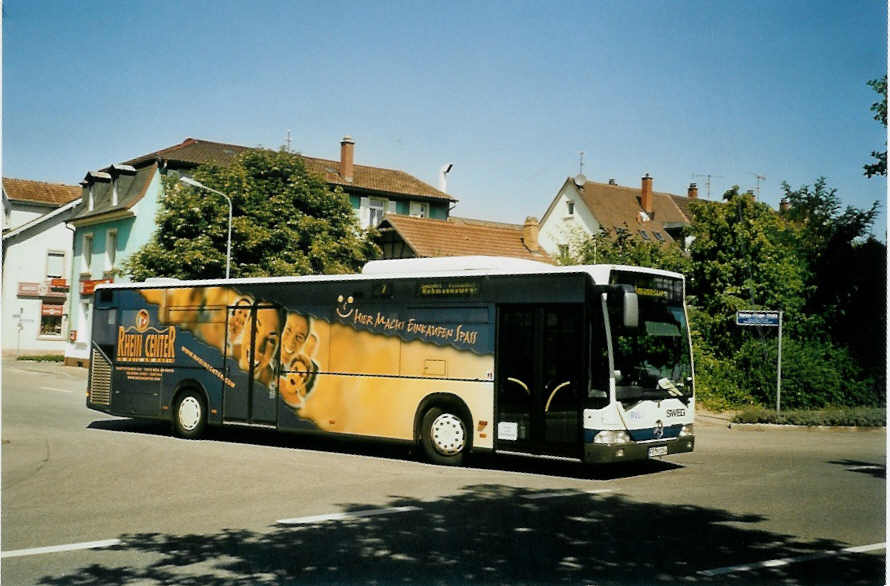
(363, 214)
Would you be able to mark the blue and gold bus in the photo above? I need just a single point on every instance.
(589, 363)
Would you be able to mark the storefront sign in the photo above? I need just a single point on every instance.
(89, 287)
(54, 309)
(29, 289)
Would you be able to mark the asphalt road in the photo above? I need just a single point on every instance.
(252, 506)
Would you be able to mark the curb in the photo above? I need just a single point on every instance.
(778, 427)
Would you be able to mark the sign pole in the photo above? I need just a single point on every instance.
(779, 371)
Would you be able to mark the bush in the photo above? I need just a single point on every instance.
(43, 357)
(815, 374)
(858, 416)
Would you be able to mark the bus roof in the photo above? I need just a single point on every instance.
(453, 266)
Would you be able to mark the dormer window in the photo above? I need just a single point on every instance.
(90, 199)
(644, 217)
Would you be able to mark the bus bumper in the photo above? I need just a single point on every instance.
(610, 453)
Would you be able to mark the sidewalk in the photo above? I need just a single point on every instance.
(11, 365)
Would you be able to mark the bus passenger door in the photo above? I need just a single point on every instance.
(540, 366)
(253, 333)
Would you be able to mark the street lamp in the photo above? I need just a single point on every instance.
(199, 185)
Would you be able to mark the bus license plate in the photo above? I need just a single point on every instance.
(658, 451)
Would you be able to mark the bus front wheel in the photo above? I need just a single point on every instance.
(189, 415)
(444, 436)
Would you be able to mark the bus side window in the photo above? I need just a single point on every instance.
(598, 391)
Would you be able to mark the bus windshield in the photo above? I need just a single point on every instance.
(652, 361)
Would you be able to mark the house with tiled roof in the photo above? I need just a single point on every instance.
(120, 203)
(410, 237)
(36, 257)
(583, 208)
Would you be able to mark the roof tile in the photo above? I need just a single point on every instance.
(25, 190)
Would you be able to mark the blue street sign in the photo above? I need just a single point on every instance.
(757, 318)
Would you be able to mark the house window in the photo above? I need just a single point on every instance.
(645, 235)
(51, 319)
(564, 250)
(110, 249)
(55, 264)
(571, 206)
(659, 236)
(90, 200)
(87, 252)
(419, 209)
(376, 209)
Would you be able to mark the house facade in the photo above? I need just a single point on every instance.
(120, 203)
(583, 208)
(413, 237)
(36, 261)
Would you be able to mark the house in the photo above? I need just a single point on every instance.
(582, 208)
(411, 237)
(36, 259)
(121, 201)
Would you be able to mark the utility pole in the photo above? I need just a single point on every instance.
(758, 179)
(708, 177)
(288, 140)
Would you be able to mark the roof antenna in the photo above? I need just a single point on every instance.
(288, 140)
(580, 179)
(581, 163)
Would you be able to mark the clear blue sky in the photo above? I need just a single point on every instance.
(510, 92)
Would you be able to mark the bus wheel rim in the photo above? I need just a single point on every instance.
(448, 435)
(189, 413)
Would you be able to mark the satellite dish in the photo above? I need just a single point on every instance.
(580, 180)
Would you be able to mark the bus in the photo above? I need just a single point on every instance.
(456, 355)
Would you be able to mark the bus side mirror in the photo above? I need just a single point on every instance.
(630, 310)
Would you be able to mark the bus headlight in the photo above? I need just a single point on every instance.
(612, 437)
(687, 430)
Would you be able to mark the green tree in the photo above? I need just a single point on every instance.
(879, 167)
(285, 221)
(622, 248)
(743, 257)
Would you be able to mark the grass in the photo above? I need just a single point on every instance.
(42, 357)
(832, 416)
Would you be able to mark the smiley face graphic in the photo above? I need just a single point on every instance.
(344, 306)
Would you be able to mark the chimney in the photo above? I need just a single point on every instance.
(529, 235)
(646, 195)
(612, 182)
(693, 191)
(347, 152)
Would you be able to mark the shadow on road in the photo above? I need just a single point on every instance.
(875, 470)
(488, 534)
(389, 450)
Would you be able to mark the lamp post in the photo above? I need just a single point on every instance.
(199, 185)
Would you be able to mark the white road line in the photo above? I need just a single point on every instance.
(20, 371)
(344, 516)
(56, 390)
(865, 467)
(559, 493)
(58, 548)
(788, 561)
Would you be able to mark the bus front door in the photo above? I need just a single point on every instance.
(252, 347)
(540, 366)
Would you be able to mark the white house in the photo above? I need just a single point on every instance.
(583, 208)
(36, 262)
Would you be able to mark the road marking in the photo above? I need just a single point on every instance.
(559, 493)
(20, 371)
(58, 548)
(56, 390)
(344, 516)
(788, 561)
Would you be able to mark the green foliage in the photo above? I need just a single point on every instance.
(285, 221)
(879, 167)
(858, 416)
(620, 247)
(42, 357)
(815, 374)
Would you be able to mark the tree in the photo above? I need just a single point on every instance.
(285, 221)
(879, 167)
(621, 247)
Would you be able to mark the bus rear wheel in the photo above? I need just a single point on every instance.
(189, 415)
(444, 436)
